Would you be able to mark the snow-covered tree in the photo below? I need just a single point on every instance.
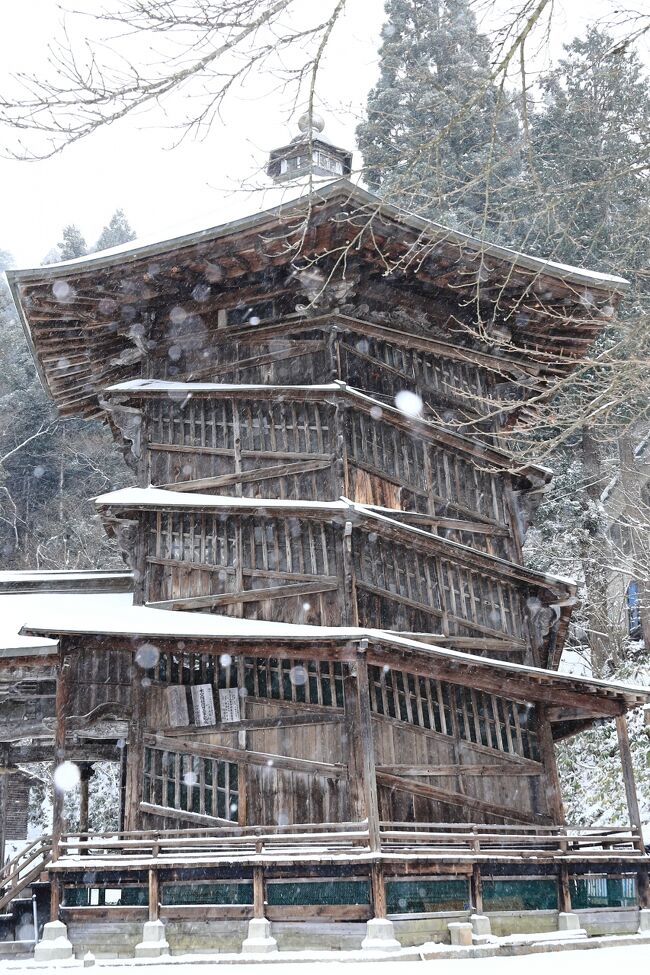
(73, 244)
(117, 231)
(440, 138)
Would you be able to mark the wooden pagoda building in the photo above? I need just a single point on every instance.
(336, 696)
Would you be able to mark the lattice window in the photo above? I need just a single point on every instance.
(450, 709)
(304, 682)
(190, 783)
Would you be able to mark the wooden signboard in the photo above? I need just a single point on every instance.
(229, 704)
(203, 704)
(176, 702)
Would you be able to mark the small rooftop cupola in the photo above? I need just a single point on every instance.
(309, 153)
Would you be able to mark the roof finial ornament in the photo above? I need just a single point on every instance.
(309, 154)
(313, 122)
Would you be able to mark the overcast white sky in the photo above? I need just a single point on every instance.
(131, 164)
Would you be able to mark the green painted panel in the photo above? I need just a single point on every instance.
(603, 892)
(109, 896)
(520, 895)
(422, 896)
(318, 892)
(179, 894)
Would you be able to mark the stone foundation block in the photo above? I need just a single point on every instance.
(380, 936)
(460, 932)
(480, 924)
(644, 920)
(54, 945)
(154, 943)
(567, 922)
(259, 940)
(481, 929)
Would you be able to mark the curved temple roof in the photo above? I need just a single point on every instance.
(79, 316)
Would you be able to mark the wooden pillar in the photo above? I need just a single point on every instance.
(55, 896)
(551, 777)
(154, 909)
(60, 708)
(378, 891)
(476, 889)
(563, 889)
(628, 777)
(258, 891)
(366, 744)
(352, 751)
(643, 888)
(3, 814)
(86, 772)
(135, 751)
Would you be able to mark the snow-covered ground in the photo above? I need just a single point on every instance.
(601, 961)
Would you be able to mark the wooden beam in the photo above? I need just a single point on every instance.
(206, 750)
(326, 584)
(454, 798)
(283, 720)
(449, 771)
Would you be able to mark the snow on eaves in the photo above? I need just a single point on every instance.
(155, 498)
(286, 198)
(98, 617)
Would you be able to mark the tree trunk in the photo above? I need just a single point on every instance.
(592, 556)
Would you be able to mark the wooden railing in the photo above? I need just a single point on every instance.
(421, 838)
(24, 868)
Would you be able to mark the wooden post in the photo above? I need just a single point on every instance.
(258, 891)
(353, 743)
(60, 708)
(55, 896)
(366, 744)
(563, 889)
(3, 813)
(378, 891)
(135, 750)
(476, 889)
(551, 778)
(154, 909)
(643, 888)
(628, 778)
(85, 774)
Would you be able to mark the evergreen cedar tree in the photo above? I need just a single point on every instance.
(440, 139)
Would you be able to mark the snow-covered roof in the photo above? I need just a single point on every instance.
(150, 623)
(285, 199)
(17, 608)
(185, 390)
(152, 498)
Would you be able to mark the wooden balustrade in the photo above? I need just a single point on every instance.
(353, 838)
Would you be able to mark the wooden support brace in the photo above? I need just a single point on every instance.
(628, 779)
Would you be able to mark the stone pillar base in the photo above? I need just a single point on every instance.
(644, 920)
(153, 944)
(568, 922)
(260, 940)
(481, 929)
(54, 945)
(460, 933)
(380, 936)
